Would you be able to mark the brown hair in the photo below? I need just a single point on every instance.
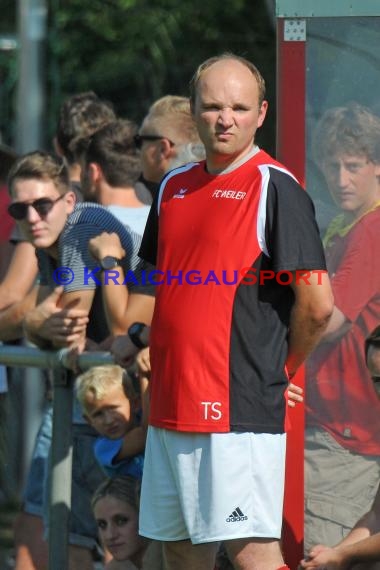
(40, 166)
(351, 130)
(114, 149)
(125, 488)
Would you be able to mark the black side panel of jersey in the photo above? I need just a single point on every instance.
(148, 248)
(291, 231)
(258, 354)
(261, 313)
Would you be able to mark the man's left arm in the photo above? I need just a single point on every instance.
(355, 283)
(114, 291)
(81, 302)
(121, 306)
(312, 309)
(337, 326)
(12, 318)
(60, 319)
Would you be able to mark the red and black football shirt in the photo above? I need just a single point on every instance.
(219, 339)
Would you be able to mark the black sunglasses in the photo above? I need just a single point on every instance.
(139, 139)
(19, 210)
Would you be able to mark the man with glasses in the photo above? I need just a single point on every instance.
(362, 544)
(43, 205)
(167, 138)
(342, 448)
(79, 114)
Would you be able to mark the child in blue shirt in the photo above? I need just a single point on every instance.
(111, 405)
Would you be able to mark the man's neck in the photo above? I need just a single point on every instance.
(351, 217)
(74, 172)
(119, 196)
(226, 163)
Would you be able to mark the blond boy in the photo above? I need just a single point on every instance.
(111, 405)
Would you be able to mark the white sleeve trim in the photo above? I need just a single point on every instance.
(170, 175)
(262, 210)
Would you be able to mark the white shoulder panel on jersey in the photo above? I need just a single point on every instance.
(261, 215)
(170, 175)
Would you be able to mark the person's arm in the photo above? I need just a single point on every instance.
(325, 558)
(59, 319)
(17, 294)
(134, 440)
(6, 252)
(293, 243)
(341, 557)
(367, 550)
(140, 309)
(76, 303)
(133, 443)
(337, 327)
(12, 318)
(362, 544)
(114, 292)
(122, 308)
(352, 293)
(144, 371)
(310, 315)
(366, 526)
(124, 349)
(20, 276)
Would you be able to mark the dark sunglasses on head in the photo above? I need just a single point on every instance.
(139, 139)
(19, 210)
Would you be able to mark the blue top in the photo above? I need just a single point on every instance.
(106, 450)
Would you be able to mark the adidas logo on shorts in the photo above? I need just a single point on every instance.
(236, 516)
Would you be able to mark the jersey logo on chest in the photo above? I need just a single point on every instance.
(229, 194)
(181, 194)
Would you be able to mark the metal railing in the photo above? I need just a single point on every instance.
(61, 445)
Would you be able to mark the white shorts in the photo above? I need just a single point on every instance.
(212, 487)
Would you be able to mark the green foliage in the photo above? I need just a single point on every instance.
(133, 51)
(8, 70)
(8, 16)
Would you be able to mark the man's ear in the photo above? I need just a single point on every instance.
(165, 148)
(262, 113)
(70, 200)
(95, 172)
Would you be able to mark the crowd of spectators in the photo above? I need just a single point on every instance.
(85, 206)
